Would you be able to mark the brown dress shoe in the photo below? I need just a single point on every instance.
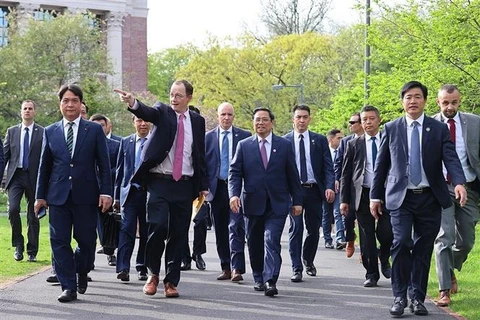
(236, 276)
(454, 288)
(443, 298)
(170, 290)
(225, 275)
(150, 287)
(350, 248)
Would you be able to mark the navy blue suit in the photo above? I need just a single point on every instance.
(229, 227)
(133, 201)
(422, 211)
(71, 189)
(266, 196)
(313, 197)
(2, 160)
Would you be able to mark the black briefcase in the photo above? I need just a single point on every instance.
(111, 229)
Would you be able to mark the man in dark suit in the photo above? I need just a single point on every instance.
(174, 174)
(109, 131)
(263, 172)
(314, 164)
(22, 149)
(74, 178)
(221, 143)
(357, 175)
(131, 199)
(356, 129)
(457, 232)
(408, 176)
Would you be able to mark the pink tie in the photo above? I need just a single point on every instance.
(263, 153)
(178, 158)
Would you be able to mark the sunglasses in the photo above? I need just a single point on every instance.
(353, 122)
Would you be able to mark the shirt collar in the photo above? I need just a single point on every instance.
(419, 120)
(268, 138)
(222, 130)
(30, 127)
(456, 118)
(369, 137)
(297, 135)
(76, 121)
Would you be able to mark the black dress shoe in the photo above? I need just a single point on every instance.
(199, 262)
(82, 283)
(259, 286)
(370, 283)
(32, 258)
(185, 265)
(123, 275)
(89, 279)
(297, 276)
(112, 260)
(398, 305)
(52, 278)
(142, 276)
(311, 270)
(329, 245)
(340, 245)
(418, 308)
(67, 296)
(18, 254)
(270, 289)
(386, 269)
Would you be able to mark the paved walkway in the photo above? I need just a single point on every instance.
(335, 293)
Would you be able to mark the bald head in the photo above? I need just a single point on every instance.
(225, 115)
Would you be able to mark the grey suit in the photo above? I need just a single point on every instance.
(19, 182)
(457, 232)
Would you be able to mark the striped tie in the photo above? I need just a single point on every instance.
(70, 138)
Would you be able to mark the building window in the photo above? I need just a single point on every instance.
(3, 26)
(44, 15)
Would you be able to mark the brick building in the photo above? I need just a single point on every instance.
(126, 30)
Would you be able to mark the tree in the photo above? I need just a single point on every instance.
(282, 17)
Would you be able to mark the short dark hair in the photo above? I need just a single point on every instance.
(188, 86)
(301, 107)
(86, 107)
(332, 133)
(257, 109)
(30, 101)
(72, 88)
(194, 109)
(99, 117)
(369, 107)
(411, 85)
(449, 88)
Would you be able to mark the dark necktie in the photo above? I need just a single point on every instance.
(138, 156)
(374, 152)
(415, 165)
(224, 158)
(178, 157)
(263, 153)
(453, 136)
(335, 153)
(303, 160)
(26, 149)
(70, 138)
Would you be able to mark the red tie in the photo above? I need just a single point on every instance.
(178, 157)
(453, 137)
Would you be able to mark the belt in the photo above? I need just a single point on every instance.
(223, 181)
(419, 190)
(167, 176)
(309, 185)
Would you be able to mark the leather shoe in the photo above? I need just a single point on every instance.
(123, 275)
(150, 287)
(270, 289)
(310, 270)
(443, 298)
(67, 296)
(398, 306)
(386, 269)
(199, 262)
(52, 279)
(185, 265)
(142, 276)
(454, 288)
(259, 286)
(329, 245)
(82, 283)
(170, 290)
(350, 248)
(370, 283)
(18, 254)
(340, 245)
(89, 279)
(418, 308)
(32, 258)
(236, 276)
(225, 275)
(112, 260)
(297, 276)
(100, 250)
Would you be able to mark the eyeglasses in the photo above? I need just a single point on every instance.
(261, 120)
(353, 122)
(177, 96)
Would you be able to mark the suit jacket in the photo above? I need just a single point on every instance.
(321, 160)
(60, 175)
(11, 150)
(279, 181)
(212, 154)
(353, 171)
(392, 162)
(115, 137)
(156, 149)
(125, 168)
(2, 161)
(113, 147)
(338, 165)
(471, 136)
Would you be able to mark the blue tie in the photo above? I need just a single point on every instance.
(415, 166)
(138, 155)
(374, 151)
(303, 160)
(26, 149)
(224, 158)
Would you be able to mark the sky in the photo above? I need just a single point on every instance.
(172, 23)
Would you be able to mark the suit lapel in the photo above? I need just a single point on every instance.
(463, 123)
(403, 136)
(130, 149)
(256, 146)
(362, 151)
(82, 132)
(313, 148)
(425, 134)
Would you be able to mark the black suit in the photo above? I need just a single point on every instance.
(169, 206)
(19, 182)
